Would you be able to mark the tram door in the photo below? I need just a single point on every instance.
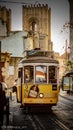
(19, 87)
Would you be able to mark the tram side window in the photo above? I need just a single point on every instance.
(41, 73)
(52, 74)
(28, 73)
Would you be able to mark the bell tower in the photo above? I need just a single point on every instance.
(37, 21)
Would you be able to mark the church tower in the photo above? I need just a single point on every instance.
(5, 22)
(37, 21)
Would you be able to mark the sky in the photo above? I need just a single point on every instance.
(59, 16)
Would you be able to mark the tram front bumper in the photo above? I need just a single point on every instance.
(40, 101)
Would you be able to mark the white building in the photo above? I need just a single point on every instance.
(15, 46)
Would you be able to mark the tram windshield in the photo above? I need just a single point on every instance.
(28, 73)
(52, 74)
(40, 74)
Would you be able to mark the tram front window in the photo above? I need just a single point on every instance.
(28, 73)
(41, 73)
(52, 74)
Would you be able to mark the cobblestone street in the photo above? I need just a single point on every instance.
(18, 120)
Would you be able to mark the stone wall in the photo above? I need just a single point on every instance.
(37, 21)
(5, 22)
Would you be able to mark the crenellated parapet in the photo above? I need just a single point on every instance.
(35, 5)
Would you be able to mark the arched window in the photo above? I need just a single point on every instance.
(33, 26)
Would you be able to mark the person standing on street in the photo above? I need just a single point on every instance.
(2, 104)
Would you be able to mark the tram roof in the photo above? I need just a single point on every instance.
(38, 52)
(39, 60)
(38, 56)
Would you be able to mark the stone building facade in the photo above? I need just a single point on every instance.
(37, 25)
(5, 28)
(37, 22)
(14, 45)
(5, 22)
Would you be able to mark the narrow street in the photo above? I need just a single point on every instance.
(36, 64)
(60, 118)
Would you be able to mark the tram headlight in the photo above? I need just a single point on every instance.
(41, 95)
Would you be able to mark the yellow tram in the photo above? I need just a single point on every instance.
(38, 79)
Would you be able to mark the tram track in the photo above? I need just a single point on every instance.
(54, 123)
(60, 124)
(39, 121)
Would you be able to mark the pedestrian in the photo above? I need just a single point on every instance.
(15, 86)
(2, 103)
(14, 89)
(4, 86)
